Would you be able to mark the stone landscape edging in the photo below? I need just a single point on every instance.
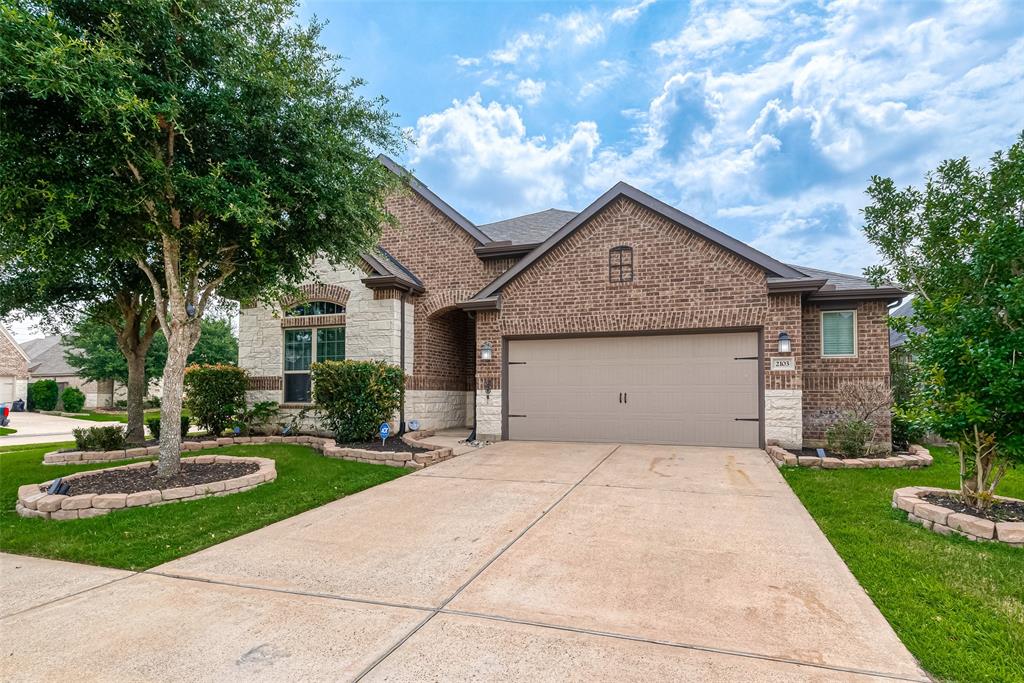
(918, 456)
(33, 502)
(945, 521)
(326, 446)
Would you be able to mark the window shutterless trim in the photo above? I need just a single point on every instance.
(313, 330)
(821, 327)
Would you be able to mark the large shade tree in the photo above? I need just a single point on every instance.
(958, 244)
(214, 143)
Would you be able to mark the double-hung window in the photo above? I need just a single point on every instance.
(304, 344)
(839, 334)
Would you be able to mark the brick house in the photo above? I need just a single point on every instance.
(629, 321)
(13, 369)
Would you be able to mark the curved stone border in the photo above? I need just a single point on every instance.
(944, 521)
(35, 503)
(917, 457)
(325, 446)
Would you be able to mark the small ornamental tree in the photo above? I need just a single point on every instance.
(214, 145)
(354, 397)
(214, 394)
(958, 244)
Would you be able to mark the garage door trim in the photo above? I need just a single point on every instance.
(759, 330)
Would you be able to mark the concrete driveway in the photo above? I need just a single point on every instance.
(39, 428)
(521, 561)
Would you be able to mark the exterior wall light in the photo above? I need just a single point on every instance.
(784, 345)
(486, 351)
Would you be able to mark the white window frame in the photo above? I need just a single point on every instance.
(284, 337)
(821, 328)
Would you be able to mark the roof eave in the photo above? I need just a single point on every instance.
(889, 293)
(491, 303)
(392, 282)
(504, 249)
(792, 285)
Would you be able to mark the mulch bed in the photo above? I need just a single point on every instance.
(998, 512)
(831, 454)
(394, 445)
(144, 478)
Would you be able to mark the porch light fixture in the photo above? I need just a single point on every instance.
(784, 345)
(486, 351)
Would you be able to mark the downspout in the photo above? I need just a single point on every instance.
(401, 361)
(472, 434)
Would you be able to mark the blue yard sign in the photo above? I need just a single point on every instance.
(385, 430)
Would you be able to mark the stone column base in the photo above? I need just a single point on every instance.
(783, 417)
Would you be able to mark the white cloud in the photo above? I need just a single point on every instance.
(482, 152)
(716, 29)
(467, 61)
(629, 13)
(530, 91)
(608, 73)
(514, 49)
(584, 29)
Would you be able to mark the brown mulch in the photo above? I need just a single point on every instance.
(144, 478)
(832, 454)
(1005, 511)
(393, 446)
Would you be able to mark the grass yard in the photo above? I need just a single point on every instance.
(957, 605)
(95, 416)
(140, 538)
(4, 431)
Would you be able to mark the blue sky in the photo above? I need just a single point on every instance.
(765, 119)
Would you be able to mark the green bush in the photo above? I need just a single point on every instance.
(906, 429)
(261, 418)
(43, 394)
(100, 438)
(154, 426)
(73, 400)
(850, 437)
(355, 397)
(214, 394)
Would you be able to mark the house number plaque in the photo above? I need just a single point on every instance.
(785, 364)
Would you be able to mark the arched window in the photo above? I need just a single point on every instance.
(620, 264)
(315, 308)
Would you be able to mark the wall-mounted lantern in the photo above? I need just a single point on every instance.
(486, 351)
(784, 345)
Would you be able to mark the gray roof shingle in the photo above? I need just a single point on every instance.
(46, 356)
(528, 229)
(839, 281)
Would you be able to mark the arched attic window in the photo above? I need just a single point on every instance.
(620, 264)
(315, 308)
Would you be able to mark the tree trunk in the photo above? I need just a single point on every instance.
(181, 341)
(137, 386)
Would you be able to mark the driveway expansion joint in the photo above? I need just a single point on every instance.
(69, 595)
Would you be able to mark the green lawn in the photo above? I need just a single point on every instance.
(98, 416)
(4, 431)
(141, 538)
(958, 605)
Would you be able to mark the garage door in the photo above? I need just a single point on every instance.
(6, 389)
(692, 389)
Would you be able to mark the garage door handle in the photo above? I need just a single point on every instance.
(625, 398)
(747, 419)
(620, 397)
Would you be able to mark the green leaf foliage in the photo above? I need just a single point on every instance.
(110, 438)
(958, 244)
(153, 424)
(214, 394)
(72, 399)
(43, 394)
(355, 397)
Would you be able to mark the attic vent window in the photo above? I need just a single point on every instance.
(620, 264)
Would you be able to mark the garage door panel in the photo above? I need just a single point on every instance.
(685, 389)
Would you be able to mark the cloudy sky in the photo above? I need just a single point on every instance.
(764, 119)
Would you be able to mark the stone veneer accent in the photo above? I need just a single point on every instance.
(783, 417)
(917, 457)
(32, 502)
(438, 408)
(488, 415)
(944, 521)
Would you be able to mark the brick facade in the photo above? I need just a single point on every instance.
(13, 369)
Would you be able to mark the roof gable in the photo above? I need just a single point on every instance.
(10, 339)
(744, 251)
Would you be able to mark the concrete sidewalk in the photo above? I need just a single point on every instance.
(520, 561)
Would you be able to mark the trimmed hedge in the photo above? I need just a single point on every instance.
(110, 438)
(43, 394)
(73, 399)
(355, 397)
(214, 394)
(154, 426)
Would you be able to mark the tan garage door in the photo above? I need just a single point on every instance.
(6, 389)
(692, 389)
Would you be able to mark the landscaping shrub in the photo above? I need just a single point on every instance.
(73, 400)
(261, 418)
(149, 402)
(43, 394)
(110, 438)
(355, 397)
(154, 426)
(850, 436)
(214, 394)
(121, 404)
(906, 429)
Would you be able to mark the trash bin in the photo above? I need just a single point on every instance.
(18, 406)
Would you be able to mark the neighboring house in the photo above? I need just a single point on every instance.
(904, 310)
(627, 322)
(46, 361)
(13, 369)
